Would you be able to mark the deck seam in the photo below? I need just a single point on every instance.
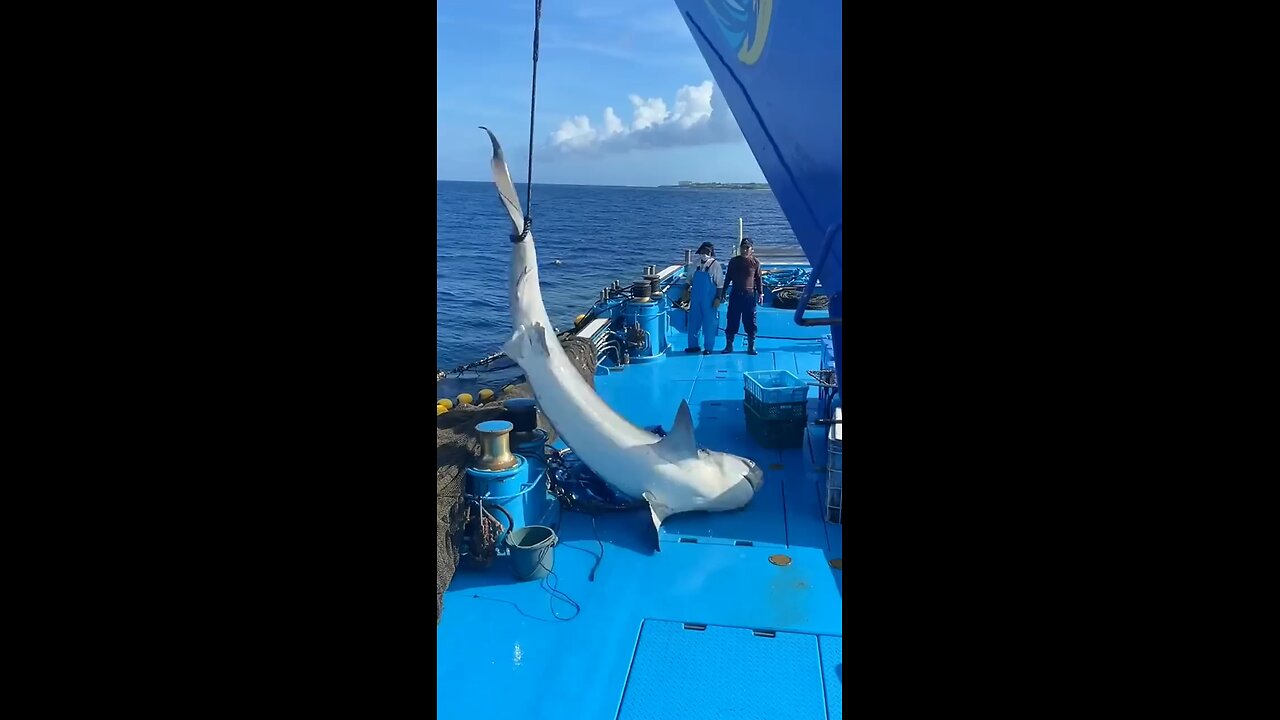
(635, 649)
(822, 675)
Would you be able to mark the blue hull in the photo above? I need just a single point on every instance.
(779, 67)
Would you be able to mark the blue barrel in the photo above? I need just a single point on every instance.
(534, 451)
(532, 447)
(664, 318)
(648, 314)
(522, 496)
(530, 442)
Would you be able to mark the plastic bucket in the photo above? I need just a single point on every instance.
(532, 551)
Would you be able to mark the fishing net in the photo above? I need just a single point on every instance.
(458, 445)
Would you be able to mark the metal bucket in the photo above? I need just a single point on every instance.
(532, 551)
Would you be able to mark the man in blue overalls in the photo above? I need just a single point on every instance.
(706, 292)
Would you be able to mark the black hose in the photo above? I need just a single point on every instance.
(511, 522)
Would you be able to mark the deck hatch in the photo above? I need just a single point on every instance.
(716, 673)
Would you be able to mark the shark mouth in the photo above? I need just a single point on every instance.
(754, 476)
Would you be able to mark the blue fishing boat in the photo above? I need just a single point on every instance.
(568, 602)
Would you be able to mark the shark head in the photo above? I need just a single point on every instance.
(734, 480)
(733, 466)
(709, 480)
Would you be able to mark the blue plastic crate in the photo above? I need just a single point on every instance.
(773, 411)
(775, 386)
(775, 433)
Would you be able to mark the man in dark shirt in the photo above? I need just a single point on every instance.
(745, 289)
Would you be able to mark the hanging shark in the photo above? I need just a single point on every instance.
(672, 473)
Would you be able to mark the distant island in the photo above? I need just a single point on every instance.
(719, 186)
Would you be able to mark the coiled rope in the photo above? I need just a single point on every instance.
(789, 297)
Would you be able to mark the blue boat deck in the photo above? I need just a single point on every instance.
(710, 626)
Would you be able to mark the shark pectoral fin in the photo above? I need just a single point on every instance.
(680, 443)
(659, 513)
(526, 340)
(517, 347)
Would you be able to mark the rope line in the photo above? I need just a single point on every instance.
(533, 102)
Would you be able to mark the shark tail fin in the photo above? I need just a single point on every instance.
(506, 190)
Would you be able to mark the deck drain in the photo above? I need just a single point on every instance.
(764, 633)
(838, 563)
(780, 560)
(743, 543)
(775, 466)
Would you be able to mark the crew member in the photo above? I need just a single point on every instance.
(745, 289)
(706, 292)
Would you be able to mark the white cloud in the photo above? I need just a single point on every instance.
(648, 112)
(612, 123)
(574, 133)
(698, 117)
(693, 104)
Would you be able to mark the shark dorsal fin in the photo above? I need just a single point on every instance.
(680, 441)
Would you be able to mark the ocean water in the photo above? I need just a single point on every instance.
(599, 234)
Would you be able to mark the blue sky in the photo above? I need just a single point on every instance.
(624, 96)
